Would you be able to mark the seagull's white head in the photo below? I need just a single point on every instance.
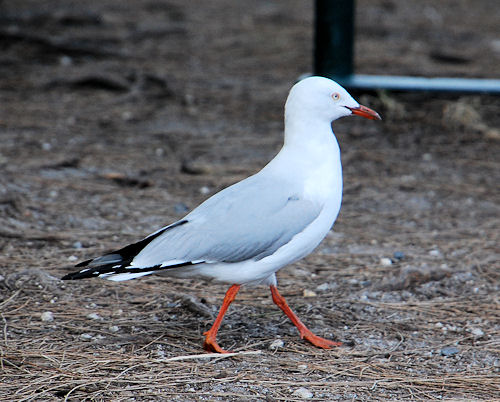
(319, 98)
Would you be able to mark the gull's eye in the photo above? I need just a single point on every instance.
(335, 96)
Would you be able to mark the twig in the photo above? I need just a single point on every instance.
(206, 356)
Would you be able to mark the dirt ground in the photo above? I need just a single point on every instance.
(118, 117)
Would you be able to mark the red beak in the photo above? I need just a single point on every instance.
(365, 112)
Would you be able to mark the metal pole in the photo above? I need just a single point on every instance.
(333, 57)
(334, 38)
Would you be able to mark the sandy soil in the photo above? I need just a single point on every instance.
(118, 117)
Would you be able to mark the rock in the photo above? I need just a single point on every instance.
(47, 316)
(86, 337)
(33, 277)
(435, 253)
(194, 305)
(77, 244)
(180, 208)
(385, 261)
(309, 293)
(411, 277)
(302, 367)
(114, 328)
(276, 344)
(477, 332)
(303, 393)
(323, 287)
(94, 316)
(449, 351)
(398, 255)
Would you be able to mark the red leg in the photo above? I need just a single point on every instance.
(305, 333)
(210, 344)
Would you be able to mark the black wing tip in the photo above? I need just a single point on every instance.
(80, 275)
(70, 277)
(84, 263)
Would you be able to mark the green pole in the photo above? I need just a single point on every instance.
(334, 38)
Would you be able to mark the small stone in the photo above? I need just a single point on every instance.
(72, 258)
(385, 261)
(427, 157)
(309, 293)
(449, 351)
(398, 255)
(435, 253)
(114, 328)
(127, 115)
(276, 344)
(160, 353)
(94, 316)
(180, 208)
(47, 316)
(204, 190)
(323, 287)
(86, 337)
(65, 61)
(303, 393)
(77, 244)
(477, 332)
(302, 367)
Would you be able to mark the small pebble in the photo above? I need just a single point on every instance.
(309, 293)
(127, 115)
(385, 261)
(77, 244)
(86, 337)
(435, 253)
(114, 328)
(398, 255)
(94, 316)
(302, 367)
(303, 393)
(449, 351)
(65, 61)
(72, 258)
(160, 353)
(478, 332)
(47, 316)
(180, 208)
(323, 287)
(276, 344)
(204, 190)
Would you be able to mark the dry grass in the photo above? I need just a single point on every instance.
(112, 135)
(392, 352)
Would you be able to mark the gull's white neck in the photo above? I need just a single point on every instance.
(310, 156)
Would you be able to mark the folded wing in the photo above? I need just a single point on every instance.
(249, 220)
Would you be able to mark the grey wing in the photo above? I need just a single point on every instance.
(249, 220)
